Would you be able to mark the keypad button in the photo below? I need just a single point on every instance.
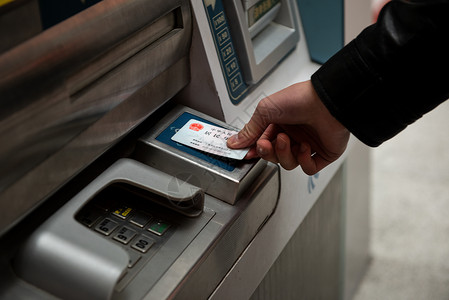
(158, 227)
(140, 219)
(142, 243)
(124, 235)
(106, 226)
(123, 212)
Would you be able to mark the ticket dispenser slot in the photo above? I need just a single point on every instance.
(97, 243)
(264, 32)
(220, 177)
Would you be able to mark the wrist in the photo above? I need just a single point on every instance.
(322, 117)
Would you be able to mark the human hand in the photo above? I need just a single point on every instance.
(293, 127)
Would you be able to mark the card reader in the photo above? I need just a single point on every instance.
(220, 177)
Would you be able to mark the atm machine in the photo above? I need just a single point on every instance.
(97, 201)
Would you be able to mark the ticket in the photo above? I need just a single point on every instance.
(208, 138)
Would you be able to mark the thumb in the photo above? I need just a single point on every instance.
(245, 138)
(250, 132)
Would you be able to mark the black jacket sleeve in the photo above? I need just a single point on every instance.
(395, 71)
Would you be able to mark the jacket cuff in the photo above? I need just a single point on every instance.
(341, 83)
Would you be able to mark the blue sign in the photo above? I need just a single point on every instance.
(237, 88)
(311, 183)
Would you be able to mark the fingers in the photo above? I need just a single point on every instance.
(279, 151)
(266, 150)
(289, 155)
(252, 153)
(310, 164)
(284, 152)
(263, 147)
(251, 132)
(245, 138)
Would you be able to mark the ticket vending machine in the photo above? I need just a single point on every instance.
(316, 244)
(98, 201)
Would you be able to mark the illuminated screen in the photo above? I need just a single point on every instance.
(260, 9)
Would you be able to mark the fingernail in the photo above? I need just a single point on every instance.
(261, 151)
(233, 140)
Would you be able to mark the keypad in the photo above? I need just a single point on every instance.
(135, 224)
(129, 222)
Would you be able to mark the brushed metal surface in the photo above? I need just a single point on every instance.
(69, 261)
(19, 20)
(73, 91)
(310, 265)
(357, 218)
(198, 271)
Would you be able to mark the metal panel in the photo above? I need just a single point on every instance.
(227, 184)
(66, 259)
(309, 267)
(71, 92)
(220, 248)
(19, 21)
(357, 217)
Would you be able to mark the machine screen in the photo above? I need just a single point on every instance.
(259, 9)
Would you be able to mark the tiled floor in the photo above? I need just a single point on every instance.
(410, 214)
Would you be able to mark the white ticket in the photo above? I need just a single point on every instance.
(208, 138)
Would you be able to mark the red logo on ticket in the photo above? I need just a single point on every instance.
(196, 127)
